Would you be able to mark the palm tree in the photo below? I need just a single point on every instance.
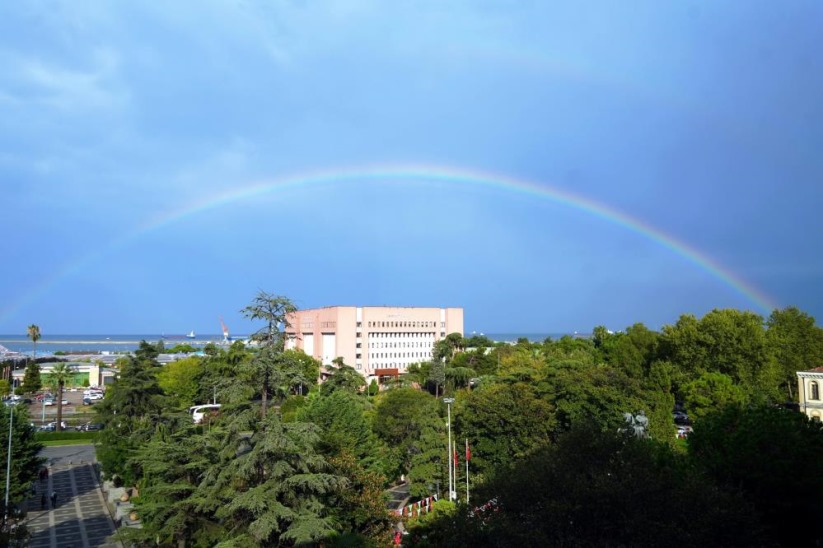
(59, 376)
(34, 335)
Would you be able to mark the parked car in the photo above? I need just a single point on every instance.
(89, 427)
(680, 417)
(48, 402)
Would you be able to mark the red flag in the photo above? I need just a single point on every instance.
(468, 452)
(455, 459)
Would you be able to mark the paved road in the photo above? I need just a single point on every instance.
(80, 518)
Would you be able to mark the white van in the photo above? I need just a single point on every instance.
(199, 411)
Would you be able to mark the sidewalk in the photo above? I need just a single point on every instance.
(80, 518)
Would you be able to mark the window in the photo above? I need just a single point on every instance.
(359, 324)
(815, 390)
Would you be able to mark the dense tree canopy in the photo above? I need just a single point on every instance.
(548, 465)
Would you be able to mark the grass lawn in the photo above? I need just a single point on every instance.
(53, 443)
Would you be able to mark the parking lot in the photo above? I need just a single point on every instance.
(74, 412)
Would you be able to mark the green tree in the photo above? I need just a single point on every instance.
(269, 486)
(459, 377)
(437, 375)
(301, 371)
(131, 411)
(591, 394)
(172, 465)
(480, 360)
(60, 374)
(635, 350)
(25, 459)
(772, 456)
(274, 310)
(504, 422)
(34, 335)
(361, 509)
(797, 343)
(181, 380)
(710, 393)
(343, 426)
(401, 417)
(730, 342)
(343, 377)
(32, 381)
(595, 488)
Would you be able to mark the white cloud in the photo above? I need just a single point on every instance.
(66, 87)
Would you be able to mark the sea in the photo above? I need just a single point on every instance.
(75, 344)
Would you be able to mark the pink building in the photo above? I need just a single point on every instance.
(372, 337)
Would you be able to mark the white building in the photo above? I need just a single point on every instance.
(810, 389)
(372, 338)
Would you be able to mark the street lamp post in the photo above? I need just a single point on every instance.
(8, 466)
(449, 402)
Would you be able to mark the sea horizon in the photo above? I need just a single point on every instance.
(74, 343)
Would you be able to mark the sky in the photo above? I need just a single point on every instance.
(547, 166)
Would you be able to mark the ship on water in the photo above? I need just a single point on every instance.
(191, 335)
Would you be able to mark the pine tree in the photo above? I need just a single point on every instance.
(270, 486)
(32, 382)
(25, 462)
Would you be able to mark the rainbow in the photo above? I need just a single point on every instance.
(413, 173)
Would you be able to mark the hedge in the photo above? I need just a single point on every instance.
(65, 435)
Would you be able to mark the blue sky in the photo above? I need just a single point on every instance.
(700, 119)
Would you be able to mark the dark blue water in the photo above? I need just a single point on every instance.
(49, 344)
(532, 337)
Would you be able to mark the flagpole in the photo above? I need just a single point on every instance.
(456, 464)
(467, 470)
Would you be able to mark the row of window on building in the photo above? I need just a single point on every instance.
(403, 335)
(385, 355)
(412, 344)
(409, 324)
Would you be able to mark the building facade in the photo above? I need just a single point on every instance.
(372, 337)
(810, 390)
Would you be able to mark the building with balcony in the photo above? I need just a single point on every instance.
(372, 339)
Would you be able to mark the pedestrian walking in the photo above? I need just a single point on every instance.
(43, 502)
(54, 499)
